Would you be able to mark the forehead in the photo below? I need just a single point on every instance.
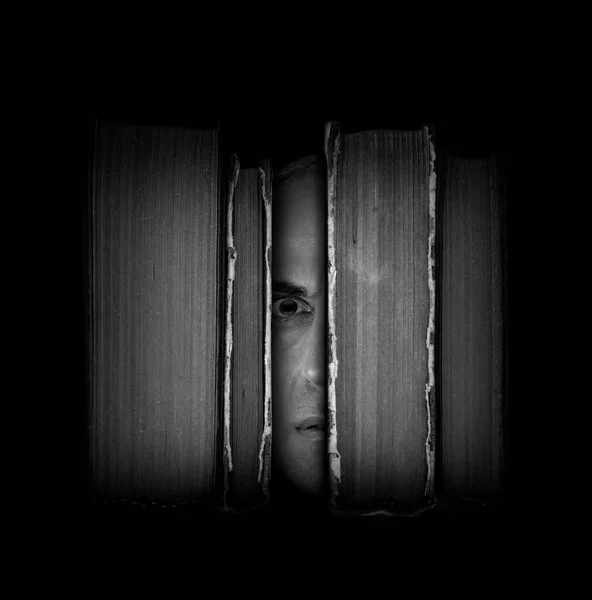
(299, 229)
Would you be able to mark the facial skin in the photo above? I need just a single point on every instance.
(298, 332)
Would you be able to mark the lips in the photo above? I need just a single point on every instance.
(312, 428)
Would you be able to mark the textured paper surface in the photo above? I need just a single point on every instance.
(157, 327)
(250, 375)
(381, 319)
(472, 330)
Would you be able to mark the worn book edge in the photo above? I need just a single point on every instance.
(430, 391)
(264, 456)
(265, 451)
(231, 252)
(332, 147)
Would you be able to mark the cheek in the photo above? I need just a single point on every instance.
(283, 358)
(286, 357)
(287, 347)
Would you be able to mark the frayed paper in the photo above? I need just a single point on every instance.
(332, 147)
(235, 169)
(265, 451)
(430, 337)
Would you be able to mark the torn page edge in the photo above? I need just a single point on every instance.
(265, 451)
(431, 332)
(332, 148)
(235, 169)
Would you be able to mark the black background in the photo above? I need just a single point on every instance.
(282, 140)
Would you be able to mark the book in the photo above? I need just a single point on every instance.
(157, 329)
(473, 409)
(248, 393)
(381, 252)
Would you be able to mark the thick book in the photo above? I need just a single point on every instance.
(381, 387)
(248, 334)
(473, 409)
(157, 296)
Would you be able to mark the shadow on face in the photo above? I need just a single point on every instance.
(299, 336)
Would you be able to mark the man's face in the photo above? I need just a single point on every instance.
(298, 317)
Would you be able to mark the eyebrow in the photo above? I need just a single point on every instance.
(288, 287)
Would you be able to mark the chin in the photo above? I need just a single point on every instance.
(302, 464)
(312, 485)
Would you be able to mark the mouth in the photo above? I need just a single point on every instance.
(312, 428)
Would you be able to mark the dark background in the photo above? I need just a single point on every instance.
(284, 140)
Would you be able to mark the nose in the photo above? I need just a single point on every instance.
(314, 365)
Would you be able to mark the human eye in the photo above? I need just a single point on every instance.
(289, 308)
